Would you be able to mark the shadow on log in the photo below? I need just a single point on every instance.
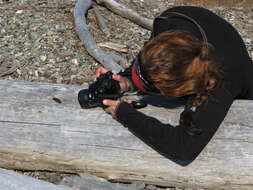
(39, 133)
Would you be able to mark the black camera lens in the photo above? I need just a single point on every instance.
(83, 97)
(88, 99)
(103, 88)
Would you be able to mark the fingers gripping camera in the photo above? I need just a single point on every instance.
(105, 87)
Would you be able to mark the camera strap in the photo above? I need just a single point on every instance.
(201, 30)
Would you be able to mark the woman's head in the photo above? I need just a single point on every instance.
(177, 64)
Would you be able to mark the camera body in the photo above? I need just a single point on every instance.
(105, 87)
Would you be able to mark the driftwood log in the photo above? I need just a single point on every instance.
(127, 13)
(43, 128)
(92, 183)
(108, 59)
(10, 180)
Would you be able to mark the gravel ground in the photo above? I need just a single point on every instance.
(38, 41)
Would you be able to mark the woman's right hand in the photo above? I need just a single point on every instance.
(123, 81)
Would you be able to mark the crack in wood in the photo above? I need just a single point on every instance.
(30, 123)
(78, 131)
(238, 123)
(113, 147)
(233, 139)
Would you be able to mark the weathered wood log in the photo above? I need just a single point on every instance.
(10, 180)
(127, 13)
(91, 183)
(38, 133)
(109, 60)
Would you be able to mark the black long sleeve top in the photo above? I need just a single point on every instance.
(172, 141)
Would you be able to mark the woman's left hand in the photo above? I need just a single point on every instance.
(112, 105)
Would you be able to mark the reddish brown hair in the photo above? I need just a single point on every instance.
(179, 64)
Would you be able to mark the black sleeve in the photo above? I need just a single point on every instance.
(174, 142)
(166, 22)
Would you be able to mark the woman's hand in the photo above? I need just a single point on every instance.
(112, 106)
(123, 81)
(100, 71)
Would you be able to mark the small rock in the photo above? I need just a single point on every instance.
(52, 61)
(43, 58)
(30, 72)
(137, 185)
(18, 71)
(19, 11)
(150, 187)
(248, 41)
(75, 61)
(36, 74)
(72, 77)
(59, 80)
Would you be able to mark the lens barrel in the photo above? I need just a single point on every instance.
(83, 98)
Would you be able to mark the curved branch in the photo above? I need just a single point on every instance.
(127, 13)
(101, 22)
(107, 59)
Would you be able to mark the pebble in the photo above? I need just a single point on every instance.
(52, 61)
(43, 58)
(36, 74)
(19, 11)
(75, 61)
(248, 41)
(137, 185)
(18, 71)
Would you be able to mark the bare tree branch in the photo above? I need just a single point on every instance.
(101, 22)
(127, 13)
(107, 59)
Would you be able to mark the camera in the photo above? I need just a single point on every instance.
(105, 87)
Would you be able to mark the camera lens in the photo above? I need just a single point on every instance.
(83, 98)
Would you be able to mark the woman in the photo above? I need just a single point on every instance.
(195, 54)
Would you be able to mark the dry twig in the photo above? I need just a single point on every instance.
(114, 46)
